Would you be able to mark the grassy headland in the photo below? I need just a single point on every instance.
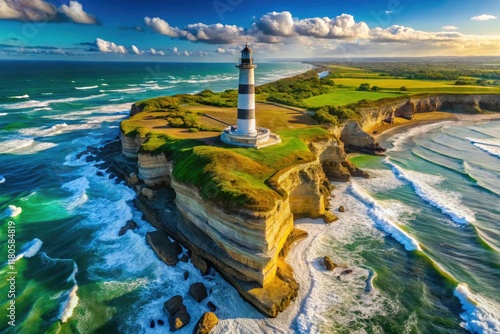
(186, 127)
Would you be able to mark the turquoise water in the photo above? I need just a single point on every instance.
(423, 231)
(421, 235)
(74, 274)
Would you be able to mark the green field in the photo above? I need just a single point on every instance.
(344, 96)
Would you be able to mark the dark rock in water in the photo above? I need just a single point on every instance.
(184, 258)
(180, 319)
(161, 322)
(329, 264)
(90, 158)
(200, 263)
(178, 316)
(186, 275)
(172, 305)
(131, 225)
(346, 272)
(198, 291)
(99, 173)
(338, 278)
(166, 250)
(152, 324)
(211, 307)
(206, 323)
(341, 208)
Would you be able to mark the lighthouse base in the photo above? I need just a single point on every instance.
(264, 137)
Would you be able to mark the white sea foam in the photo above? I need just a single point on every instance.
(381, 217)
(44, 131)
(490, 146)
(67, 308)
(47, 93)
(104, 84)
(42, 104)
(86, 88)
(399, 140)
(127, 90)
(11, 211)
(2, 179)
(42, 108)
(480, 316)
(22, 146)
(29, 249)
(450, 203)
(25, 96)
(3, 114)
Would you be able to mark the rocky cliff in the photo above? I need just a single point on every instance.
(244, 245)
(355, 138)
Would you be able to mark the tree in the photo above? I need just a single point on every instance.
(364, 87)
(403, 89)
(375, 88)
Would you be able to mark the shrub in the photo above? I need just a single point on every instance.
(403, 89)
(375, 88)
(364, 87)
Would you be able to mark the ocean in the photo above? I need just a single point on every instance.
(421, 236)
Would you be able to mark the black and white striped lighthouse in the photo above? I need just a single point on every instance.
(246, 94)
(246, 133)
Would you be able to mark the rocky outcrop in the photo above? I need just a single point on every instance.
(198, 291)
(166, 250)
(178, 316)
(244, 245)
(206, 323)
(355, 138)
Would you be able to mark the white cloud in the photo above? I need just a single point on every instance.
(42, 11)
(76, 13)
(136, 50)
(276, 24)
(340, 27)
(187, 53)
(109, 47)
(449, 28)
(161, 26)
(214, 33)
(483, 17)
(389, 12)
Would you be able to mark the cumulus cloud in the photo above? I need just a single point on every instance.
(449, 28)
(340, 27)
(136, 50)
(483, 17)
(213, 33)
(109, 47)
(276, 24)
(76, 13)
(42, 11)
(161, 26)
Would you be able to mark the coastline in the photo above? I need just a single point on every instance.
(383, 131)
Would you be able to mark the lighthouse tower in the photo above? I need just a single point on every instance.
(246, 133)
(246, 94)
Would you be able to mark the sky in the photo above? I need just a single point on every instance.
(217, 30)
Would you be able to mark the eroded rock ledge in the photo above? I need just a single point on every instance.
(248, 248)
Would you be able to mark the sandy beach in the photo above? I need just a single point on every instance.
(384, 130)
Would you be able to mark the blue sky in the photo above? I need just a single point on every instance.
(215, 30)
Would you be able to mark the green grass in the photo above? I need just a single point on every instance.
(232, 177)
(343, 97)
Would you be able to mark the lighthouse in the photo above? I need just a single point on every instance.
(246, 133)
(246, 94)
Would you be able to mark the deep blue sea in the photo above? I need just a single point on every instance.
(421, 236)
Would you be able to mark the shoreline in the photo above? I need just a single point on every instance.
(383, 131)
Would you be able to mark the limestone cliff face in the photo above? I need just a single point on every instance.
(353, 134)
(251, 240)
(131, 145)
(154, 169)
